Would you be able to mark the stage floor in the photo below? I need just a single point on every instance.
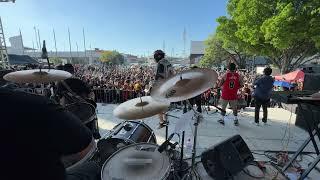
(280, 133)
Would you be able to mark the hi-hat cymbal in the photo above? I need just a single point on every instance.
(184, 85)
(37, 76)
(137, 108)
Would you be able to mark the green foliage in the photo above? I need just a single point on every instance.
(214, 52)
(111, 57)
(286, 31)
(55, 60)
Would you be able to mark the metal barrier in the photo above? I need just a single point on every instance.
(114, 96)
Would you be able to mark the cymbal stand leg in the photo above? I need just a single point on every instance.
(140, 97)
(181, 152)
(167, 125)
(196, 123)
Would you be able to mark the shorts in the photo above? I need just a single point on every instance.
(233, 103)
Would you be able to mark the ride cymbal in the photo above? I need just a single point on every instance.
(185, 85)
(37, 76)
(140, 108)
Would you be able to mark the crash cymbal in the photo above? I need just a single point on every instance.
(137, 108)
(184, 85)
(37, 76)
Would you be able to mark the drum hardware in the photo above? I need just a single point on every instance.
(193, 171)
(167, 122)
(181, 151)
(183, 86)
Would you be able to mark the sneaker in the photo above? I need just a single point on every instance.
(266, 124)
(255, 123)
(221, 121)
(236, 122)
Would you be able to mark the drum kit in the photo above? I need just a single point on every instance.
(130, 150)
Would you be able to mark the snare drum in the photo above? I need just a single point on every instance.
(140, 161)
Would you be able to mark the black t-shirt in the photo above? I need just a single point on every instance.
(34, 134)
(76, 85)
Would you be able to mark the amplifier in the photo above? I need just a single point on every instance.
(227, 158)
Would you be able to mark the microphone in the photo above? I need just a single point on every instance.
(165, 144)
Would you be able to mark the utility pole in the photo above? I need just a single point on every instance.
(184, 42)
(21, 42)
(84, 44)
(36, 36)
(77, 49)
(70, 45)
(39, 40)
(33, 49)
(55, 42)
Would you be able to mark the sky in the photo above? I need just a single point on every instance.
(129, 26)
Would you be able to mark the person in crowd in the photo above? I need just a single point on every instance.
(230, 83)
(193, 101)
(164, 71)
(37, 132)
(71, 89)
(247, 94)
(262, 94)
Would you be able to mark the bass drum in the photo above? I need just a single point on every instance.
(123, 134)
(140, 161)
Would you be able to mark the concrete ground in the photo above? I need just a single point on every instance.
(280, 133)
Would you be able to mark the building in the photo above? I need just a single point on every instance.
(196, 51)
(17, 48)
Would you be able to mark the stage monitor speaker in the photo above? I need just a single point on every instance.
(227, 158)
(311, 81)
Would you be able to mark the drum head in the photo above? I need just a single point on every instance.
(84, 111)
(137, 162)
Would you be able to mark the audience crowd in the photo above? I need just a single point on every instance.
(116, 84)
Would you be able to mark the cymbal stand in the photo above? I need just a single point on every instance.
(193, 172)
(167, 122)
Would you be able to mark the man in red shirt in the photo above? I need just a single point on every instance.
(230, 83)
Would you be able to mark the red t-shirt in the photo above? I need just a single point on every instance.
(230, 86)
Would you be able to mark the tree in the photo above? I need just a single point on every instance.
(111, 57)
(218, 51)
(55, 60)
(285, 31)
(214, 52)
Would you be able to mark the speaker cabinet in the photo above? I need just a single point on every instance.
(227, 158)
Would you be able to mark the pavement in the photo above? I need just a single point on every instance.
(280, 133)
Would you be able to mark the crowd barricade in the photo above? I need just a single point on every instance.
(115, 96)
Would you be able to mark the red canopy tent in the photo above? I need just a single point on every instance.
(291, 77)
